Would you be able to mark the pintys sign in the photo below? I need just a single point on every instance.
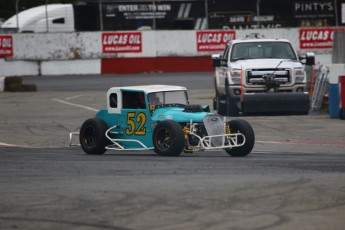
(317, 38)
(6, 46)
(213, 41)
(122, 42)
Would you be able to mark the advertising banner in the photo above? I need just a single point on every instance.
(121, 42)
(317, 38)
(6, 46)
(168, 14)
(213, 41)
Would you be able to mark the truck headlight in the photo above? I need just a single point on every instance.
(299, 72)
(235, 73)
(236, 80)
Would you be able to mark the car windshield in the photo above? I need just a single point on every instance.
(168, 97)
(262, 50)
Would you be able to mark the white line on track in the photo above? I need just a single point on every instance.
(74, 104)
(334, 143)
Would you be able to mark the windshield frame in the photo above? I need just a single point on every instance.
(263, 49)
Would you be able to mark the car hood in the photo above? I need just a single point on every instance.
(266, 64)
(177, 114)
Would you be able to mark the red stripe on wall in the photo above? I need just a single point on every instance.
(157, 64)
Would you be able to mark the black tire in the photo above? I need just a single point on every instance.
(231, 107)
(168, 138)
(242, 126)
(342, 114)
(221, 105)
(92, 136)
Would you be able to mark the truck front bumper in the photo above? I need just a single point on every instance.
(275, 103)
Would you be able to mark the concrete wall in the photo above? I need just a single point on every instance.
(81, 53)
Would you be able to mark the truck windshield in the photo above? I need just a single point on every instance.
(168, 97)
(262, 50)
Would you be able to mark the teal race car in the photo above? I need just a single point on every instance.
(160, 118)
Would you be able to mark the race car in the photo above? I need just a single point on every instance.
(160, 118)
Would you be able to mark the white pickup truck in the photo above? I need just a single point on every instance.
(259, 75)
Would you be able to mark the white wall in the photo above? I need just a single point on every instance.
(80, 53)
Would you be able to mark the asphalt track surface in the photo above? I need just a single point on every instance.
(293, 179)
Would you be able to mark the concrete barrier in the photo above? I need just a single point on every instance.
(166, 51)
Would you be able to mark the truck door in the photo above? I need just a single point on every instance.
(221, 71)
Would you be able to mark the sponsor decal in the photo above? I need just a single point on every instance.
(213, 41)
(6, 46)
(122, 42)
(314, 9)
(317, 38)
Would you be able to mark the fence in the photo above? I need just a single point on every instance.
(115, 15)
(319, 87)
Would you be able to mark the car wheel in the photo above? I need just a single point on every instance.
(242, 126)
(92, 136)
(168, 138)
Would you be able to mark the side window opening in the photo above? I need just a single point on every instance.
(113, 100)
(58, 21)
(133, 100)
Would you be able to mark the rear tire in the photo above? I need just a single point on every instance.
(242, 126)
(168, 138)
(92, 136)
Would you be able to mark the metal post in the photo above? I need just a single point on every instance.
(17, 16)
(336, 13)
(100, 15)
(154, 17)
(47, 24)
(258, 11)
(206, 13)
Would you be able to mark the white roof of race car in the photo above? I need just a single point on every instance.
(150, 88)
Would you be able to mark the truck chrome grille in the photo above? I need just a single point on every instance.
(255, 76)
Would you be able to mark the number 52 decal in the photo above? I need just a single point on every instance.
(136, 123)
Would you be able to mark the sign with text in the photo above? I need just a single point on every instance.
(122, 42)
(6, 46)
(213, 41)
(317, 38)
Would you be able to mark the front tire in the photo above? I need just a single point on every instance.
(231, 107)
(168, 138)
(242, 126)
(92, 136)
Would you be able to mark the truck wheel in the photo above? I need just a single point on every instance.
(168, 138)
(342, 114)
(232, 109)
(221, 105)
(92, 136)
(242, 126)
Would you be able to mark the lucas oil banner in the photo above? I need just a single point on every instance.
(121, 42)
(6, 46)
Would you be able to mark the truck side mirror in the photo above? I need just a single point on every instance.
(309, 58)
(216, 60)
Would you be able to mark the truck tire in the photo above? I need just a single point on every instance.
(92, 136)
(242, 126)
(342, 114)
(221, 105)
(168, 138)
(232, 109)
